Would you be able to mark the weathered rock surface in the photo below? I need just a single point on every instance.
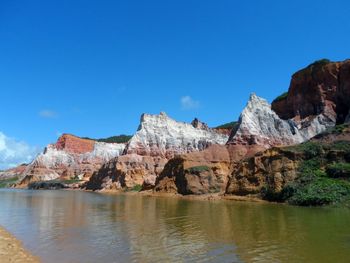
(274, 168)
(259, 124)
(202, 172)
(13, 172)
(159, 135)
(70, 157)
(158, 139)
(321, 88)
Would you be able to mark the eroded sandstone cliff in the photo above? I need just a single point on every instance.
(158, 139)
(70, 157)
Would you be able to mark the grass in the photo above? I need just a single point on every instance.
(198, 169)
(4, 183)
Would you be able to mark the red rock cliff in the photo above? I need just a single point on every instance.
(73, 144)
(322, 87)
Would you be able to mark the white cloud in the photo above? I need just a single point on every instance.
(14, 152)
(187, 103)
(47, 114)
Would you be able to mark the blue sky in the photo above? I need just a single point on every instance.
(91, 68)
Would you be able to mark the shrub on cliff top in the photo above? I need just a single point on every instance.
(114, 139)
(315, 66)
(229, 125)
(281, 97)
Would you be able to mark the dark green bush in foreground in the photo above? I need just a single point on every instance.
(339, 170)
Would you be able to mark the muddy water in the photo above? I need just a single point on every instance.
(73, 226)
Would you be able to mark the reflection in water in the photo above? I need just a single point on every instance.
(70, 226)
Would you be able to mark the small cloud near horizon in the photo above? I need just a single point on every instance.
(187, 103)
(14, 152)
(47, 114)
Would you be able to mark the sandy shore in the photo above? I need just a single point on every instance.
(11, 249)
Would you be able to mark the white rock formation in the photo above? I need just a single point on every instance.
(159, 135)
(259, 124)
(53, 163)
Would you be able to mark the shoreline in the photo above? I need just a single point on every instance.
(12, 250)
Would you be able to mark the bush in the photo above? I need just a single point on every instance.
(136, 188)
(199, 169)
(338, 170)
(309, 149)
(321, 191)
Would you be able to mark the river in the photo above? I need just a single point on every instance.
(75, 226)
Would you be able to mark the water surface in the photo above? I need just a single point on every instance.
(74, 226)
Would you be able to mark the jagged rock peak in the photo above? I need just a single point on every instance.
(160, 135)
(259, 124)
(199, 125)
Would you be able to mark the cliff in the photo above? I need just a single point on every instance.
(158, 139)
(312, 173)
(70, 157)
(321, 88)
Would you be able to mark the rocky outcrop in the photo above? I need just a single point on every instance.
(13, 172)
(127, 171)
(158, 139)
(272, 168)
(270, 171)
(70, 157)
(321, 88)
(202, 172)
(259, 124)
(159, 135)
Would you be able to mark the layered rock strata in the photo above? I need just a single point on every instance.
(259, 124)
(158, 139)
(70, 157)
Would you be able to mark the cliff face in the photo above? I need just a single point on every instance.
(159, 135)
(259, 124)
(318, 98)
(202, 172)
(311, 173)
(158, 139)
(321, 88)
(70, 157)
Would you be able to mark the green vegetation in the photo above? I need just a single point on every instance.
(322, 178)
(114, 139)
(315, 66)
(135, 188)
(199, 169)
(229, 125)
(4, 183)
(338, 170)
(338, 129)
(281, 97)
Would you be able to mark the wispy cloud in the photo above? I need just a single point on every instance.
(187, 103)
(14, 152)
(47, 114)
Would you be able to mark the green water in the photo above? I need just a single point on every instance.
(72, 226)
